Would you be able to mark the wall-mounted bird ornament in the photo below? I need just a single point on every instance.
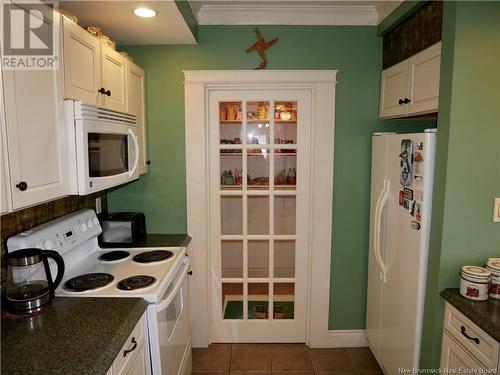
(261, 46)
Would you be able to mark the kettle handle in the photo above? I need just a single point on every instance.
(60, 267)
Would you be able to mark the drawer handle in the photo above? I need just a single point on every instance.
(125, 352)
(475, 339)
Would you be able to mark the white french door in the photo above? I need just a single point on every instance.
(259, 172)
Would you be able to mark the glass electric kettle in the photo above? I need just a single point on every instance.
(29, 281)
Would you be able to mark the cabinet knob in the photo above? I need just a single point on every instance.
(22, 186)
(102, 90)
(401, 101)
(190, 273)
(406, 101)
(148, 162)
(108, 92)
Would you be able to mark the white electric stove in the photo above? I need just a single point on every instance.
(158, 275)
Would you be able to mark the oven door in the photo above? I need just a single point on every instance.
(174, 327)
(107, 154)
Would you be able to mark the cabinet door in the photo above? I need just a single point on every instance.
(35, 135)
(423, 80)
(136, 105)
(113, 79)
(455, 358)
(4, 187)
(393, 89)
(138, 366)
(82, 64)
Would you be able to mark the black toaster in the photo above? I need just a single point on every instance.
(122, 229)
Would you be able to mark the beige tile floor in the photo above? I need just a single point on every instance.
(283, 359)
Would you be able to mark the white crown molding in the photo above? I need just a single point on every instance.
(384, 8)
(262, 14)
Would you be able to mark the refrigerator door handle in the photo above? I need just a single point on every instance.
(382, 201)
(376, 230)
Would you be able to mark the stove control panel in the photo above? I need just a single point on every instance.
(61, 234)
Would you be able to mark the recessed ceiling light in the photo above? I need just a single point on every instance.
(144, 12)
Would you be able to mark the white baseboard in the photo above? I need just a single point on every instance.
(354, 338)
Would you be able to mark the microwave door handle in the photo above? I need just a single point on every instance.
(163, 304)
(136, 146)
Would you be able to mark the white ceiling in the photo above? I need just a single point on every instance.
(118, 21)
(169, 27)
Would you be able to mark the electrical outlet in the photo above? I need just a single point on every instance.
(496, 210)
(98, 207)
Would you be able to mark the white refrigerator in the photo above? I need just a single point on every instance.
(400, 219)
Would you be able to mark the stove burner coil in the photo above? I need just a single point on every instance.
(153, 256)
(113, 255)
(136, 282)
(88, 281)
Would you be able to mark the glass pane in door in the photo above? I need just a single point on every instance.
(231, 209)
(285, 170)
(232, 300)
(258, 259)
(284, 259)
(231, 170)
(284, 214)
(258, 214)
(230, 119)
(283, 300)
(258, 301)
(232, 259)
(258, 168)
(285, 120)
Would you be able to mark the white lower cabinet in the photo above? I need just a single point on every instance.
(132, 357)
(465, 346)
(454, 357)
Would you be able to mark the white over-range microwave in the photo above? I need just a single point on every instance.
(103, 147)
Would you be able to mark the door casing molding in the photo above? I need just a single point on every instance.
(321, 83)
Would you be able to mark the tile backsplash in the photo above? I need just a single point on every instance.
(19, 221)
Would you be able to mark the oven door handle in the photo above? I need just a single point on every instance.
(163, 304)
(137, 152)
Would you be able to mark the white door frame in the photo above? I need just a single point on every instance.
(321, 83)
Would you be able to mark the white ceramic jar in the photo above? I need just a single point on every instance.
(493, 265)
(474, 282)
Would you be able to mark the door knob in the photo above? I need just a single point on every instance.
(148, 162)
(102, 90)
(108, 92)
(22, 186)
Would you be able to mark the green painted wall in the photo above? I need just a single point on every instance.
(468, 160)
(355, 51)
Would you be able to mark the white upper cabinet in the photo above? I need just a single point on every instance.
(94, 73)
(113, 79)
(136, 106)
(35, 130)
(394, 81)
(423, 80)
(82, 64)
(411, 87)
(4, 187)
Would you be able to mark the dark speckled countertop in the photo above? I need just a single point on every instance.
(485, 314)
(75, 336)
(165, 240)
